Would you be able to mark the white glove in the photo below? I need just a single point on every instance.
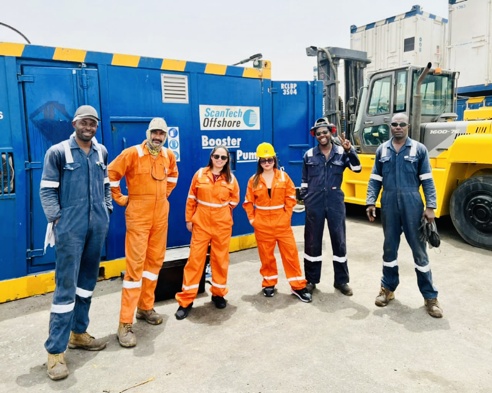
(49, 239)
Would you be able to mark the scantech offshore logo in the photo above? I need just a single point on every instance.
(213, 117)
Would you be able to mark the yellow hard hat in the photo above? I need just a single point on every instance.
(265, 150)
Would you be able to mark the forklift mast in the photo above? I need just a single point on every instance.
(328, 61)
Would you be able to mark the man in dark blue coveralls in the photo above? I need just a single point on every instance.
(322, 175)
(401, 166)
(76, 200)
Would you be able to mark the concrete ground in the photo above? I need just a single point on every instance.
(279, 344)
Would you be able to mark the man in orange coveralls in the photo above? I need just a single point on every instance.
(151, 174)
(270, 200)
(214, 192)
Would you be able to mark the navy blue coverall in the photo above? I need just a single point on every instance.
(75, 190)
(324, 200)
(401, 174)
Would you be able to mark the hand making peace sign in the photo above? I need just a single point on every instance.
(345, 143)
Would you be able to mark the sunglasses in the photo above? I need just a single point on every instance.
(216, 156)
(266, 160)
(324, 132)
(402, 124)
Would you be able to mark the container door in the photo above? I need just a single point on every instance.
(127, 132)
(124, 134)
(51, 97)
(296, 105)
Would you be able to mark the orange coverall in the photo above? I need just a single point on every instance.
(209, 208)
(271, 220)
(149, 181)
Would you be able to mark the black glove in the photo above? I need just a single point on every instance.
(429, 234)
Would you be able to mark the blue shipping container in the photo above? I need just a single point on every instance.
(204, 105)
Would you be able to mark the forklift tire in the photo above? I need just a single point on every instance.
(471, 211)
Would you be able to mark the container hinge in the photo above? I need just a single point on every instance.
(34, 253)
(25, 78)
(32, 165)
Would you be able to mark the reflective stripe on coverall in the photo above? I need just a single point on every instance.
(149, 181)
(209, 208)
(401, 174)
(75, 189)
(271, 220)
(324, 200)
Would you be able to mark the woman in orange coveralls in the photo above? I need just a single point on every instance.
(270, 200)
(214, 192)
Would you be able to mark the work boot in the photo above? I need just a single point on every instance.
(219, 301)
(150, 316)
(269, 291)
(310, 287)
(86, 341)
(57, 368)
(302, 294)
(433, 308)
(384, 297)
(125, 335)
(183, 312)
(344, 288)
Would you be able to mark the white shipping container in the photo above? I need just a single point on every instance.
(412, 38)
(470, 44)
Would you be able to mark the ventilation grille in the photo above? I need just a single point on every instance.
(174, 88)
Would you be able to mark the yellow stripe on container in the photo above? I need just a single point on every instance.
(11, 49)
(173, 65)
(242, 242)
(42, 283)
(65, 54)
(217, 69)
(263, 73)
(267, 69)
(125, 60)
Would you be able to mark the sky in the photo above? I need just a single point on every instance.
(213, 31)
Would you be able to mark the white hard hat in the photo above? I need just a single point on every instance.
(84, 112)
(157, 123)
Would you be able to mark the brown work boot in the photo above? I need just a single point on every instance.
(384, 297)
(150, 316)
(86, 341)
(125, 335)
(433, 308)
(57, 368)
